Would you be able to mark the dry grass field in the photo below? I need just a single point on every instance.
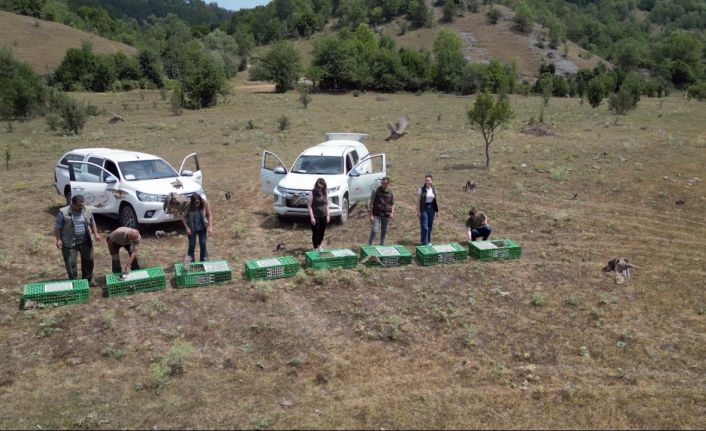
(546, 341)
(43, 44)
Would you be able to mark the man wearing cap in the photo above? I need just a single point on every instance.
(128, 238)
(72, 229)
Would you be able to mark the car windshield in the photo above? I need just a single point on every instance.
(320, 165)
(139, 170)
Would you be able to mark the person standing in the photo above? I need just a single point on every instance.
(427, 208)
(129, 239)
(317, 204)
(477, 225)
(71, 230)
(198, 221)
(382, 204)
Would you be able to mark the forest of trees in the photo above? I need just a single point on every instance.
(659, 44)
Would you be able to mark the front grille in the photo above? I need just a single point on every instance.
(296, 198)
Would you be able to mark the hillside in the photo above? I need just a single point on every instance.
(482, 42)
(43, 44)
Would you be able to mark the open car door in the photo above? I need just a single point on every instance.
(366, 176)
(98, 187)
(190, 168)
(272, 171)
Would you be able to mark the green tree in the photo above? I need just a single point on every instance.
(334, 65)
(203, 79)
(418, 12)
(150, 66)
(487, 115)
(21, 90)
(621, 101)
(281, 65)
(595, 92)
(524, 18)
(449, 11)
(418, 68)
(449, 64)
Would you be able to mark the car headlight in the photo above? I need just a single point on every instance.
(333, 189)
(150, 197)
(281, 190)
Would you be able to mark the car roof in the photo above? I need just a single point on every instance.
(116, 155)
(335, 148)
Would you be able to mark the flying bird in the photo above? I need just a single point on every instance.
(469, 187)
(397, 129)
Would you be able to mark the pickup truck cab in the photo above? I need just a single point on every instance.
(127, 185)
(350, 171)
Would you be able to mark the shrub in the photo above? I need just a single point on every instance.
(21, 91)
(72, 113)
(283, 123)
(177, 100)
(622, 101)
(304, 90)
(494, 15)
(170, 364)
(697, 91)
(537, 299)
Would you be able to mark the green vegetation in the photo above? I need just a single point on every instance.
(201, 45)
(21, 90)
(487, 115)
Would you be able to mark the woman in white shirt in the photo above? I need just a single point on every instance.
(427, 208)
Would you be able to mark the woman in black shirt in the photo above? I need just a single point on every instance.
(317, 204)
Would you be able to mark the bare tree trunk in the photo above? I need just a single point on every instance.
(487, 154)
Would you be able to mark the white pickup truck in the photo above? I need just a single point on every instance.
(350, 171)
(128, 185)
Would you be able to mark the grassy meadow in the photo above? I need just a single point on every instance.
(546, 341)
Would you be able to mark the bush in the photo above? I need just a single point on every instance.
(21, 91)
(177, 100)
(281, 65)
(622, 101)
(283, 123)
(524, 18)
(304, 90)
(72, 113)
(204, 78)
(697, 91)
(494, 15)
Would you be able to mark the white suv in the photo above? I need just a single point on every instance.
(127, 185)
(349, 170)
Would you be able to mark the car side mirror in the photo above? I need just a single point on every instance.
(354, 173)
(111, 180)
(279, 170)
(187, 173)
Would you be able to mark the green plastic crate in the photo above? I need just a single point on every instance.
(56, 292)
(337, 258)
(384, 255)
(495, 249)
(139, 280)
(441, 253)
(202, 273)
(271, 267)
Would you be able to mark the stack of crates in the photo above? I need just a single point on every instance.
(337, 258)
(271, 267)
(441, 253)
(495, 249)
(139, 280)
(382, 255)
(59, 292)
(202, 273)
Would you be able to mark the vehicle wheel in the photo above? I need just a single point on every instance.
(67, 195)
(128, 218)
(343, 218)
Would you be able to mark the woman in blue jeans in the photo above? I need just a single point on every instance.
(427, 209)
(198, 221)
